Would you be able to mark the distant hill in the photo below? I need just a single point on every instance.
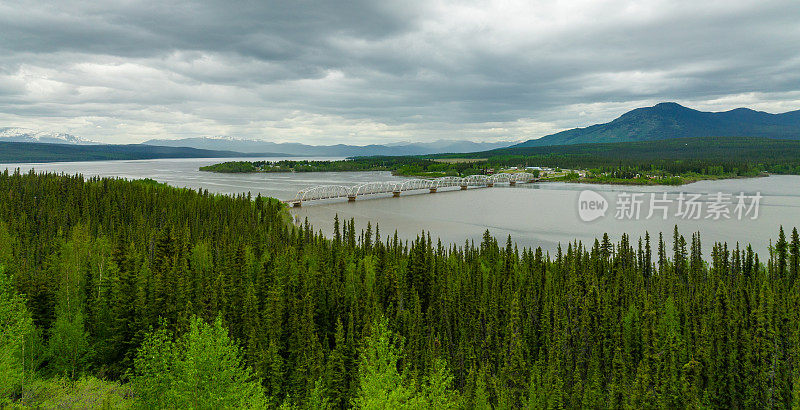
(17, 134)
(671, 120)
(776, 155)
(223, 143)
(340, 150)
(11, 152)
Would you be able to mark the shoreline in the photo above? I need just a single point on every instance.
(686, 181)
(629, 182)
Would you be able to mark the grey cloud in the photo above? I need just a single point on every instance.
(324, 71)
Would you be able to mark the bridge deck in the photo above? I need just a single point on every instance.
(321, 192)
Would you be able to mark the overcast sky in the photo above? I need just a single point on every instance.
(362, 72)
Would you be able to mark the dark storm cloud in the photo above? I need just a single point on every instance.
(365, 71)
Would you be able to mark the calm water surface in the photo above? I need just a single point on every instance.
(547, 214)
(533, 214)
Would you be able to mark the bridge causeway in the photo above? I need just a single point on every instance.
(321, 192)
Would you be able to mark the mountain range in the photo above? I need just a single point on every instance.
(252, 146)
(339, 150)
(659, 122)
(672, 120)
(12, 151)
(17, 134)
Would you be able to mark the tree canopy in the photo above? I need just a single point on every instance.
(156, 296)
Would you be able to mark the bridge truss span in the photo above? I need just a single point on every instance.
(377, 187)
(321, 192)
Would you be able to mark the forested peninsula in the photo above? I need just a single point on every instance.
(136, 294)
(666, 162)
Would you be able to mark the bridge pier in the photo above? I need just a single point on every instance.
(321, 192)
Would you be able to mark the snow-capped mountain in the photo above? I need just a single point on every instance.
(16, 134)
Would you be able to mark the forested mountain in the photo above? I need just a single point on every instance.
(40, 152)
(339, 150)
(671, 120)
(741, 155)
(134, 293)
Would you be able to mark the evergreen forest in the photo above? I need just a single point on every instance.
(134, 294)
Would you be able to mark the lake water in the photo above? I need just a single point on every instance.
(544, 214)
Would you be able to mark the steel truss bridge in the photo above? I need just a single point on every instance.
(321, 192)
